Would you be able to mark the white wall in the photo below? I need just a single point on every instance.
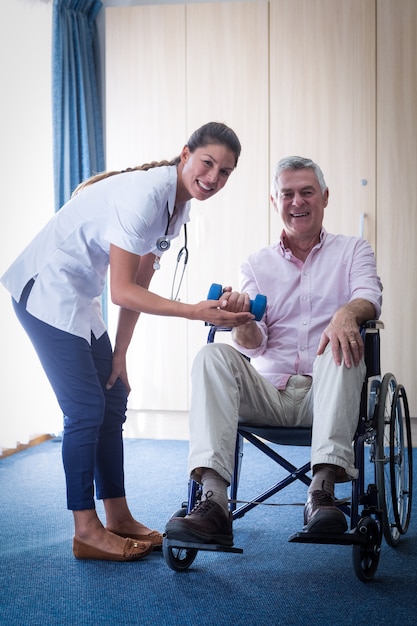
(27, 405)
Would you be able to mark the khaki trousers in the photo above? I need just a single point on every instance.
(227, 389)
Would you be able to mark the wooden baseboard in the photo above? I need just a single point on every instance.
(23, 446)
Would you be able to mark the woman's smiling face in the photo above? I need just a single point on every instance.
(205, 171)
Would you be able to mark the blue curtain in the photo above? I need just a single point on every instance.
(78, 149)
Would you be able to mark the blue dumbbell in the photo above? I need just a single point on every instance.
(257, 306)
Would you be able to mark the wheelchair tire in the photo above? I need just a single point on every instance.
(393, 458)
(366, 556)
(179, 559)
(401, 460)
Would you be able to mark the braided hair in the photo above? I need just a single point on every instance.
(210, 133)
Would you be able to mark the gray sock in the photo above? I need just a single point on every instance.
(324, 478)
(214, 485)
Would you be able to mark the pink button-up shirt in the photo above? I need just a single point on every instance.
(302, 298)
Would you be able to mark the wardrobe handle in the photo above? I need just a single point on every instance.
(362, 224)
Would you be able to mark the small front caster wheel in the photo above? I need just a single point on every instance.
(178, 559)
(366, 554)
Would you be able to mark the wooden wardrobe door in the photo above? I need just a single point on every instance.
(227, 81)
(146, 121)
(322, 101)
(396, 190)
(171, 69)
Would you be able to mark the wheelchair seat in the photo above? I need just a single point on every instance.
(285, 435)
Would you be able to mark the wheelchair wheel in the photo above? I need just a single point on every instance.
(393, 453)
(366, 555)
(178, 559)
(401, 460)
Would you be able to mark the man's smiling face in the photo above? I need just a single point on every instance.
(301, 203)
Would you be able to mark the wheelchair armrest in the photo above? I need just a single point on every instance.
(370, 335)
(372, 325)
(213, 330)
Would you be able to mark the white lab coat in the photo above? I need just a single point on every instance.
(69, 257)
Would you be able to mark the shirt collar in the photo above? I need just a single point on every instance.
(286, 252)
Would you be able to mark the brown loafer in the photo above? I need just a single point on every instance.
(132, 551)
(154, 537)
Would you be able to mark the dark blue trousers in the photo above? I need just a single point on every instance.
(92, 447)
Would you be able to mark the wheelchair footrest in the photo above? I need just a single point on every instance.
(346, 539)
(212, 547)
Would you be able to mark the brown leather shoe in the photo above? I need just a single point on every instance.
(321, 515)
(132, 551)
(154, 537)
(207, 523)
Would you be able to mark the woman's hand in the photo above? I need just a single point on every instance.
(230, 310)
(119, 370)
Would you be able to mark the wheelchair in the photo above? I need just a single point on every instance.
(377, 509)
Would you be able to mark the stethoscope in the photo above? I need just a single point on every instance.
(163, 244)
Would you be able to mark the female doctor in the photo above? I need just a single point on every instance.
(121, 219)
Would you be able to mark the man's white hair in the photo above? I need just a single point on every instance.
(296, 163)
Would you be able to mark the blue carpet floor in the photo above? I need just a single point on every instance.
(272, 582)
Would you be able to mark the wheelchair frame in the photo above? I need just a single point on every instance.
(379, 509)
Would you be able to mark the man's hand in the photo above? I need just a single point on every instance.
(246, 334)
(344, 337)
